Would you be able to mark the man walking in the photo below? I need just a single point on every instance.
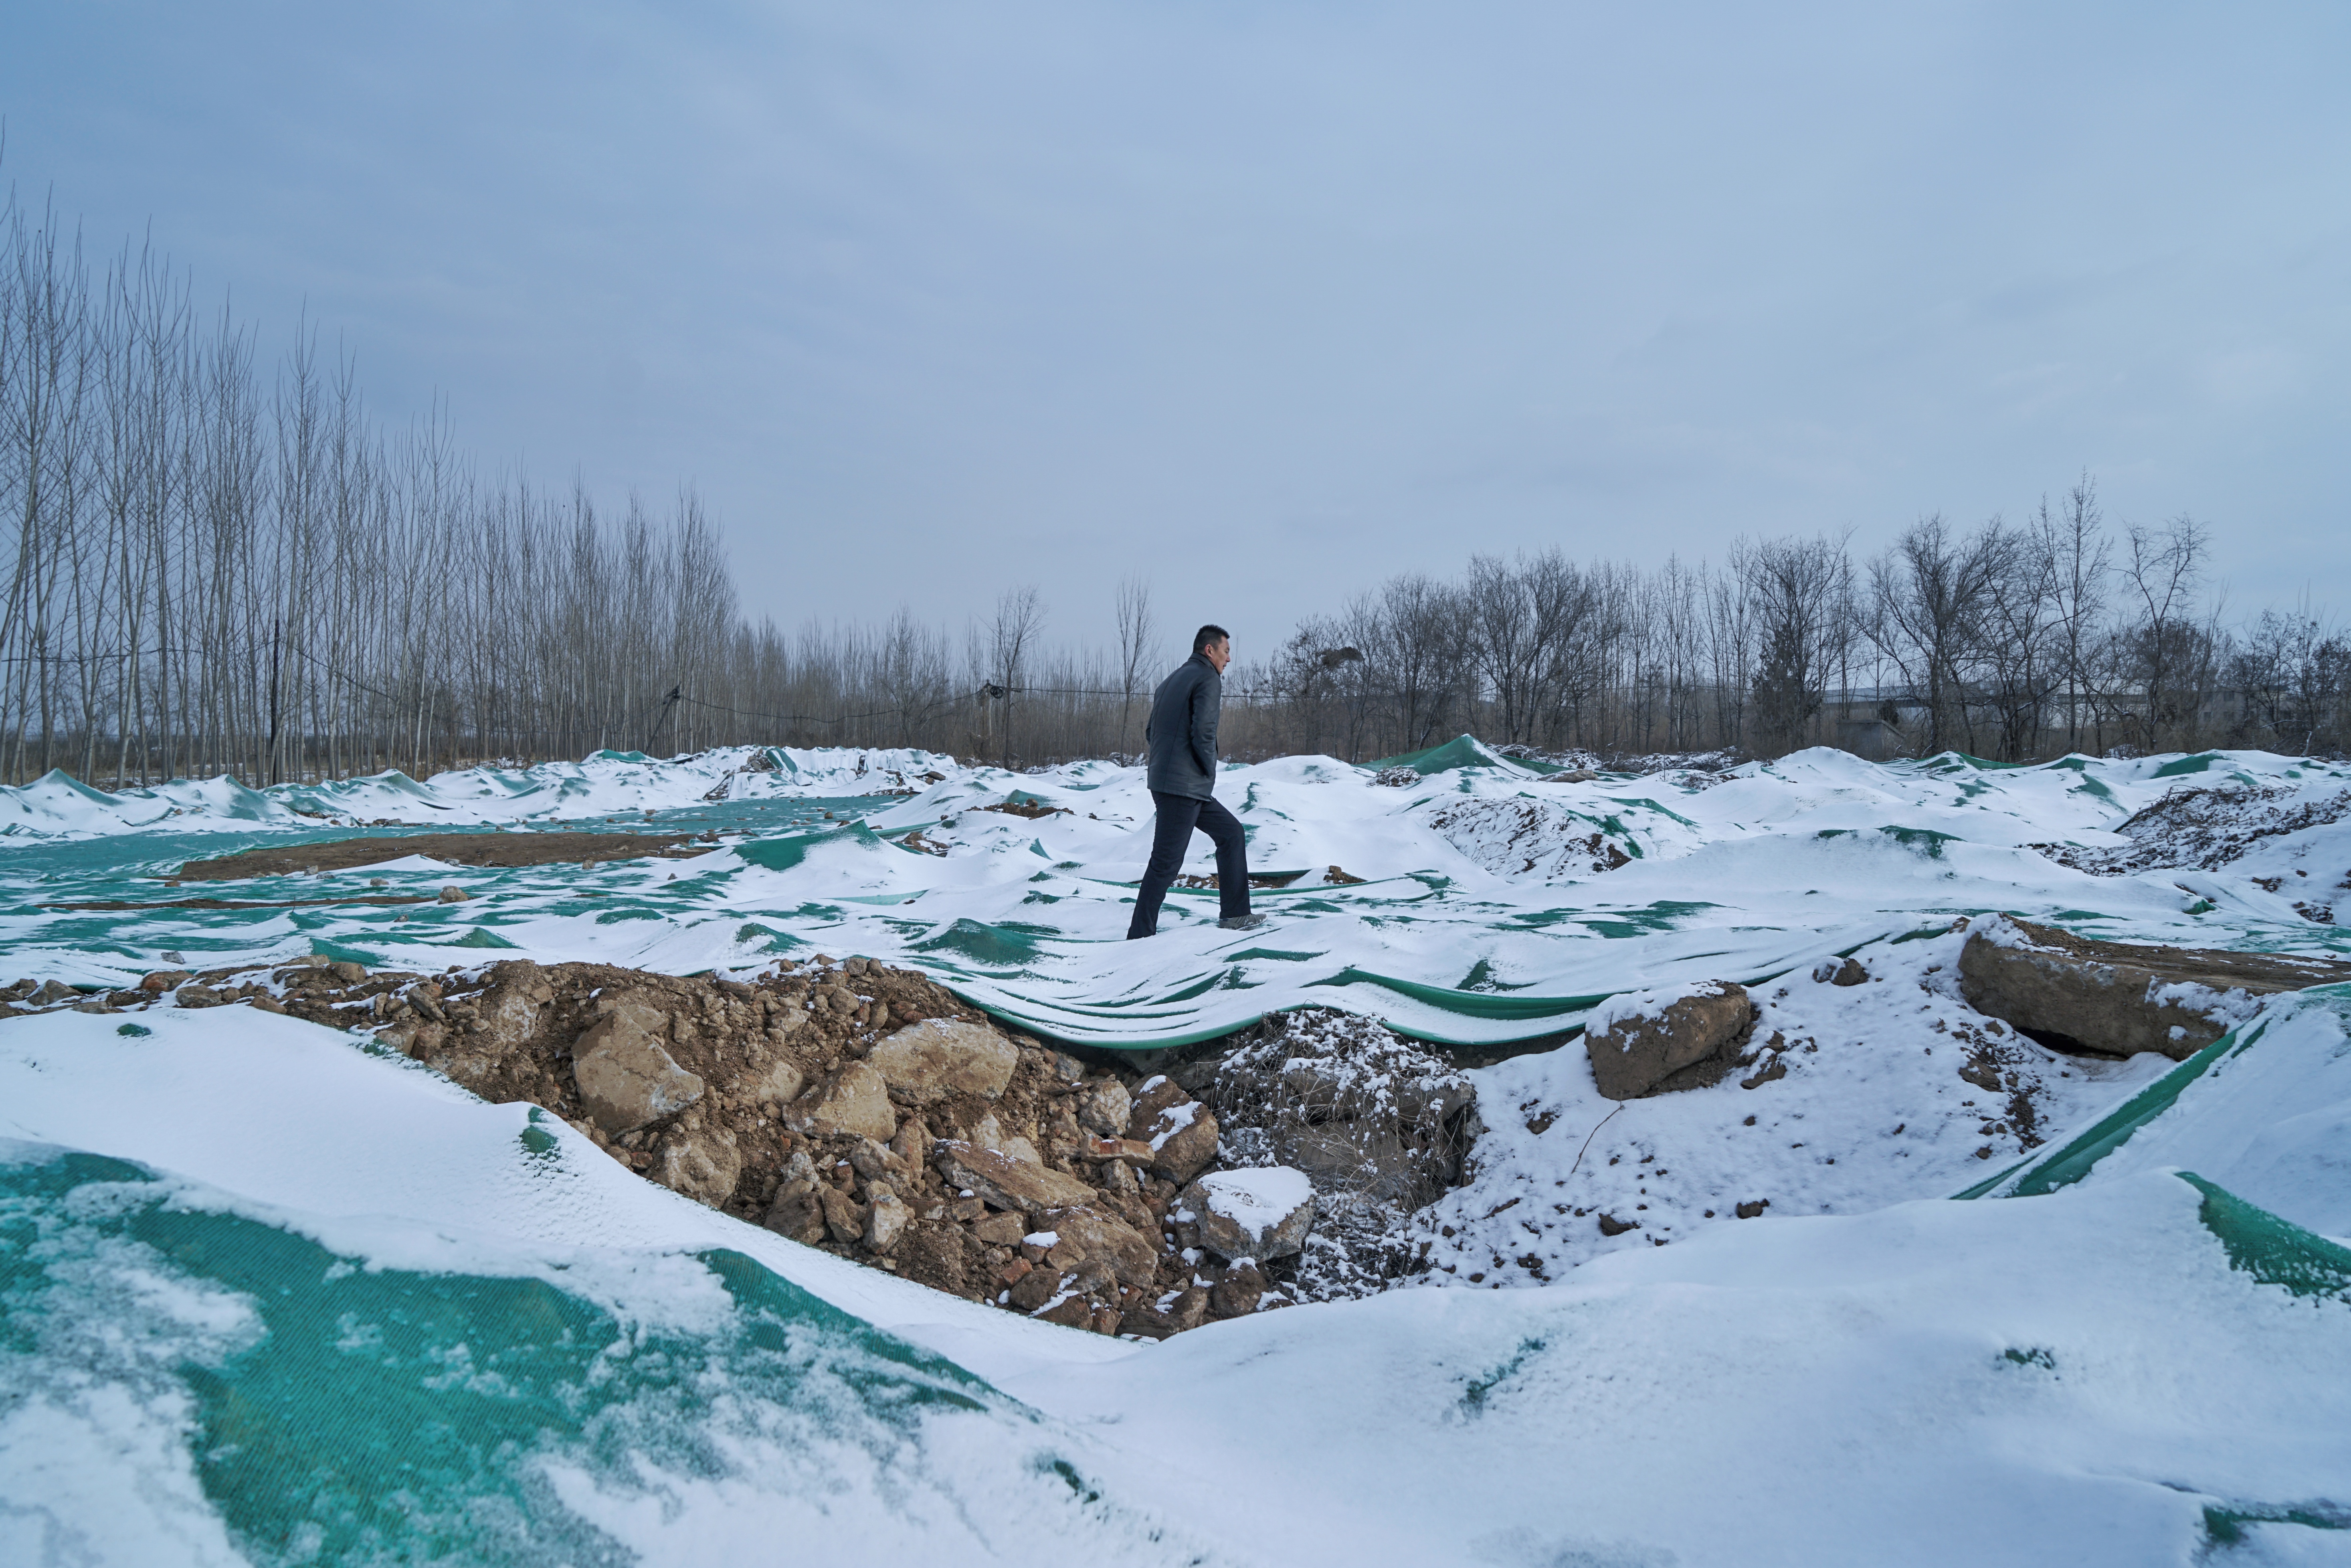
(1181, 735)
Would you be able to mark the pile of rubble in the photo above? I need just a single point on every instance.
(1380, 1126)
(855, 1107)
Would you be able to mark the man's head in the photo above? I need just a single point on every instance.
(1216, 644)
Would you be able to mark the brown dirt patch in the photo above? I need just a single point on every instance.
(457, 848)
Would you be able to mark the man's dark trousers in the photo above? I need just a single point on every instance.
(1178, 816)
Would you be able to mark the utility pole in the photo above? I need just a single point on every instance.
(676, 694)
(272, 769)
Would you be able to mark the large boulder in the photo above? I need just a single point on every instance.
(856, 1100)
(627, 1077)
(1006, 1182)
(924, 1063)
(1673, 1037)
(1181, 1131)
(1262, 1214)
(2119, 998)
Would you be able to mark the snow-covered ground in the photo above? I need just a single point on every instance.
(237, 1250)
(1463, 908)
(233, 1349)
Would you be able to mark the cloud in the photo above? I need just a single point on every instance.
(1270, 301)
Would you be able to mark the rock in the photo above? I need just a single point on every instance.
(1189, 1310)
(1006, 1182)
(1106, 1109)
(509, 1010)
(1746, 1210)
(797, 1213)
(348, 972)
(1263, 1213)
(163, 980)
(1612, 1226)
(798, 1219)
(703, 1165)
(627, 1077)
(1367, 1156)
(874, 1161)
(1238, 1293)
(2118, 999)
(926, 1062)
(1108, 1249)
(1675, 1036)
(1125, 1151)
(1181, 1131)
(990, 1135)
(780, 1084)
(1839, 972)
(854, 1100)
(455, 895)
(844, 1217)
(886, 1222)
(1000, 1229)
(912, 1145)
(1069, 1312)
(1036, 1288)
(51, 993)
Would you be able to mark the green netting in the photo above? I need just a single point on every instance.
(1469, 1004)
(1461, 751)
(2072, 1162)
(784, 852)
(2273, 1250)
(348, 1413)
(2225, 1527)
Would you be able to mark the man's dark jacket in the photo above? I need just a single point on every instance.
(1181, 733)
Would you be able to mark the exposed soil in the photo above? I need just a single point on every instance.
(507, 1032)
(2205, 828)
(457, 848)
(242, 903)
(2220, 968)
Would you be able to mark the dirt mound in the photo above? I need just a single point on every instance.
(1379, 1124)
(2205, 828)
(456, 849)
(1519, 836)
(860, 1108)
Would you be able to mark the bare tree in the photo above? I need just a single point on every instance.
(1012, 644)
(1799, 588)
(2168, 650)
(1930, 594)
(1137, 632)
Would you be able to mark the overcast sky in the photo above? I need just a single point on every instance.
(1270, 301)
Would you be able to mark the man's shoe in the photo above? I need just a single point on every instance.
(1241, 922)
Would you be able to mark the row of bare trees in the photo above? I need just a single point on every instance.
(2010, 641)
(212, 567)
(207, 569)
